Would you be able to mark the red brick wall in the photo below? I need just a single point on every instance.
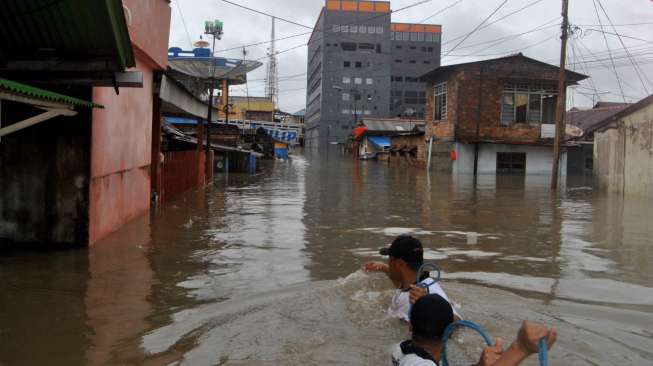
(463, 102)
(417, 140)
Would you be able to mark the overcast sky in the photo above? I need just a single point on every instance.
(243, 27)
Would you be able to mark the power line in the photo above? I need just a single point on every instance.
(500, 19)
(441, 11)
(267, 14)
(637, 70)
(183, 21)
(607, 45)
(476, 28)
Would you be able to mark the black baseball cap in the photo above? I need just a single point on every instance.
(430, 316)
(407, 248)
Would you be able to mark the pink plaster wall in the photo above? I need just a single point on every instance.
(121, 144)
(149, 28)
(121, 141)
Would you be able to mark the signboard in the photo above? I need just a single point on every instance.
(548, 131)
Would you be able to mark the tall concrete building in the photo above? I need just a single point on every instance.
(362, 65)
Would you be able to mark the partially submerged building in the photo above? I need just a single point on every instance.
(623, 150)
(390, 140)
(75, 180)
(495, 116)
(580, 149)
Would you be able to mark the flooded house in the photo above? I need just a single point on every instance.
(623, 151)
(580, 149)
(494, 116)
(390, 140)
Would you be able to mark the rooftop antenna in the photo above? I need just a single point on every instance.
(272, 87)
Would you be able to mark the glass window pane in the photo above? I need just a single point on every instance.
(508, 109)
(346, 80)
(549, 103)
(534, 108)
(363, 29)
(521, 107)
(379, 30)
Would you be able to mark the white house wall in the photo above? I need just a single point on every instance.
(539, 159)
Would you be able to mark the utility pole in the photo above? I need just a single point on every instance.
(213, 28)
(562, 97)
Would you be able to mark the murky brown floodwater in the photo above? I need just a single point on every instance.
(263, 270)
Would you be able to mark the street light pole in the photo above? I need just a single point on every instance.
(213, 28)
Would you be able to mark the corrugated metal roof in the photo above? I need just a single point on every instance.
(43, 30)
(40, 94)
(395, 126)
(588, 119)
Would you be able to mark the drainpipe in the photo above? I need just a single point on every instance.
(428, 164)
(478, 122)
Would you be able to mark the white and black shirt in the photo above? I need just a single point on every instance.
(400, 305)
(409, 354)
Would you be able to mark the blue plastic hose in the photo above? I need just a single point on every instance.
(542, 354)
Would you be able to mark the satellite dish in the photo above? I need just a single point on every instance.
(201, 44)
(573, 131)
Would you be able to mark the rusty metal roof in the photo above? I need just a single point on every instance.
(46, 30)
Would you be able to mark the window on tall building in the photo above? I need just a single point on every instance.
(430, 49)
(532, 104)
(358, 81)
(379, 30)
(429, 37)
(353, 29)
(399, 79)
(346, 80)
(413, 36)
(347, 64)
(358, 64)
(366, 47)
(392, 36)
(344, 29)
(399, 47)
(440, 102)
(345, 97)
(348, 46)
(368, 81)
(371, 29)
(346, 111)
(420, 37)
(413, 47)
(427, 62)
(362, 29)
(336, 28)
(398, 61)
(412, 61)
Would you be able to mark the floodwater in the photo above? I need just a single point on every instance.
(263, 270)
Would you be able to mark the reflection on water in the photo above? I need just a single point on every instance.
(263, 270)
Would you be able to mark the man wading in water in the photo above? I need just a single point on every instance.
(406, 256)
(432, 314)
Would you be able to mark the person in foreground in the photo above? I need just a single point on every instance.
(406, 256)
(432, 314)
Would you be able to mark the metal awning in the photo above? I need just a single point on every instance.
(53, 104)
(177, 99)
(380, 142)
(64, 39)
(191, 64)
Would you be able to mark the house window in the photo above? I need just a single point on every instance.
(511, 163)
(440, 102)
(532, 104)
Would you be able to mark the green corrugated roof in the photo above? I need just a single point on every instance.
(36, 93)
(66, 29)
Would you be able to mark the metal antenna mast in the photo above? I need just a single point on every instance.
(272, 87)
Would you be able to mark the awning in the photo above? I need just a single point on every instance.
(180, 99)
(64, 36)
(380, 142)
(53, 104)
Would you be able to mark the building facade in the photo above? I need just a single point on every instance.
(623, 151)
(495, 116)
(357, 60)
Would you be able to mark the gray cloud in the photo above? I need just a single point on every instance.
(243, 27)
